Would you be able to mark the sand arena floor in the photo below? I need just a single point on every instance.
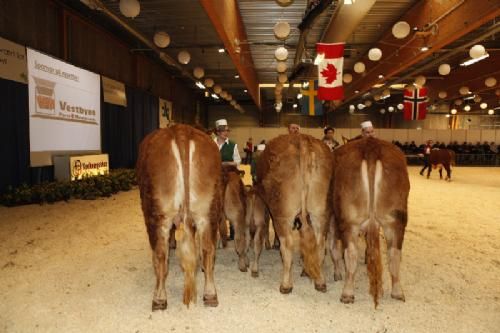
(85, 266)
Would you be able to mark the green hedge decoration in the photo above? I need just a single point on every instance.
(88, 188)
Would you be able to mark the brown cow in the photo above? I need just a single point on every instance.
(235, 211)
(257, 218)
(294, 174)
(442, 158)
(370, 190)
(178, 172)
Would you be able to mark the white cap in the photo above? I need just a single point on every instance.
(261, 147)
(220, 122)
(366, 124)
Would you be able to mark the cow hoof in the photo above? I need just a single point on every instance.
(210, 300)
(400, 297)
(304, 274)
(337, 277)
(255, 274)
(159, 305)
(428, 177)
(347, 299)
(285, 290)
(320, 287)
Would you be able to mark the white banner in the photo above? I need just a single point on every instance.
(88, 166)
(12, 61)
(64, 103)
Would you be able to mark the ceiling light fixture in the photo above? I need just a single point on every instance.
(349, 2)
(237, 76)
(215, 96)
(245, 90)
(473, 61)
(424, 48)
(200, 85)
(222, 50)
(299, 96)
(319, 58)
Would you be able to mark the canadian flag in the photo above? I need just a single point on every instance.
(330, 71)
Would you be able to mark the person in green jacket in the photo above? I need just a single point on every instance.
(228, 149)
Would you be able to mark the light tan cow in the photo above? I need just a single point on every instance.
(235, 211)
(179, 176)
(370, 190)
(294, 174)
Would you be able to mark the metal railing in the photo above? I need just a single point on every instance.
(463, 159)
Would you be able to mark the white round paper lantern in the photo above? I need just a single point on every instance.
(444, 69)
(463, 90)
(347, 78)
(401, 106)
(184, 57)
(352, 107)
(458, 102)
(368, 103)
(375, 54)
(382, 111)
(476, 51)
(442, 94)
(391, 108)
(401, 29)
(483, 106)
(209, 83)
(491, 112)
(198, 72)
(467, 108)
(282, 78)
(279, 86)
(130, 8)
(477, 99)
(420, 80)
(386, 92)
(282, 30)
(161, 39)
(361, 106)
(359, 67)
(490, 82)
(223, 94)
(281, 66)
(281, 53)
(217, 89)
(453, 111)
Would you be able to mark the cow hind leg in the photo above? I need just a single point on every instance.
(188, 255)
(160, 247)
(284, 233)
(448, 173)
(335, 248)
(394, 234)
(351, 263)
(313, 249)
(240, 241)
(258, 242)
(207, 245)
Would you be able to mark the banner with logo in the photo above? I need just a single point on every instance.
(113, 91)
(13, 61)
(64, 105)
(165, 112)
(88, 166)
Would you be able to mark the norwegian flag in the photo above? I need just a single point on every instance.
(415, 102)
(330, 71)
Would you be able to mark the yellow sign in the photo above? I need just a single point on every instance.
(13, 64)
(88, 166)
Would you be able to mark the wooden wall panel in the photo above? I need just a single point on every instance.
(31, 23)
(96, 50)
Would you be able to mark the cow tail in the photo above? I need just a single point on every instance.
(188, 248)
(308, 244)
(374, 262)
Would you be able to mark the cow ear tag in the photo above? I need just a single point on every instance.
(179, 232)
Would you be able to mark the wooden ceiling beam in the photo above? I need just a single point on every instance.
(226, 19)
(440, 23)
